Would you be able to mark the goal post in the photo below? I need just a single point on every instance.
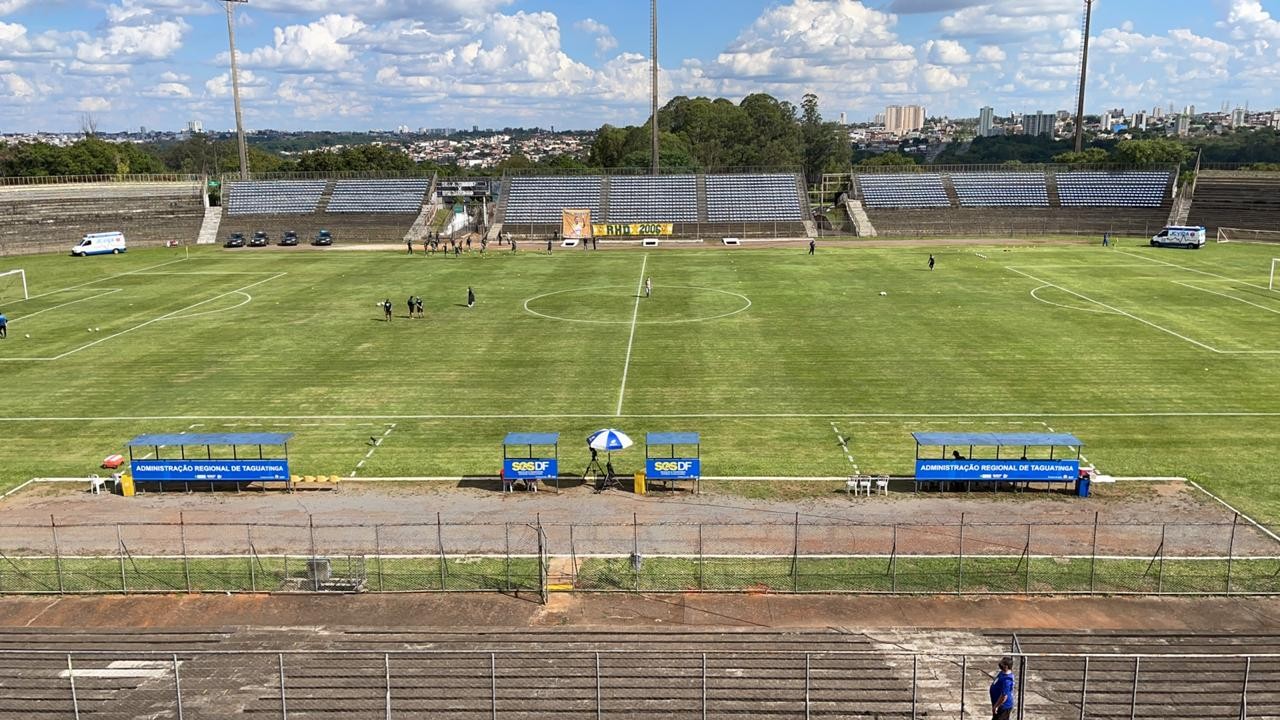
(1271, 285)
(1243, 235)
(13, 285)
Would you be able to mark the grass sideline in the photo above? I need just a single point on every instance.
(1107, 344)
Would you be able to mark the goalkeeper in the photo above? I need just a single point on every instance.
(4, 326)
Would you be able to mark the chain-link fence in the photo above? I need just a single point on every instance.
(805, 555)
(676, 682)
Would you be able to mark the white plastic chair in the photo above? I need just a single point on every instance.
(96, 484)
(882, 486)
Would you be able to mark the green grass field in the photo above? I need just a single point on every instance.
(1164, 362)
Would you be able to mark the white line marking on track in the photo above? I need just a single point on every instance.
(1131, 316)
(635, 314)
(1229, 297)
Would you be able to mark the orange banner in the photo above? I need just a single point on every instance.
(575, 224)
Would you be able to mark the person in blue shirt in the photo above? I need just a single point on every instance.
(4, 326)
(1002, 691)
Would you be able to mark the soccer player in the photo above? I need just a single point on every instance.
(471, 297)
(812, 244)
(409, 245)
(417, 302)
(593, 244)
(457, 249)
(648, 286)
(4, 326)
(386, 309)
(484, 243)
(930, 261)
(548, 246)
(468, 243)
(412, 304)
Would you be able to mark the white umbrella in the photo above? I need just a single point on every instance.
(609, 440)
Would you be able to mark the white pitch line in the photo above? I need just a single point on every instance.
(1229, 297)
(1118, 311)
(1228, 506)
(923, 417)
(73, 302)
(377, 443)
(635, 314)
(101, 280)
(1193, 270)
(166, 316)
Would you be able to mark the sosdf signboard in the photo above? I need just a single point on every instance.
(673, 468)
(531, 468)
(997, 470)
(209, 470)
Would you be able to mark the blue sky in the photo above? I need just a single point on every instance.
(358, 64)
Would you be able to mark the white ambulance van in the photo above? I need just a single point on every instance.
(100, 244)
(1180, 237)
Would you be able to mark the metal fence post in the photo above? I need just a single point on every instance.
(598, 686)
(915, 668)
(806, 685)
(377, 549)
(1093, 557)
(1160, 571)
(253, 578)
(386, 659)
(284, 705)
(440, 543)
(1244, 690)
(702, 568)
(795, 556)
(1021, 700)
(1133, 698)
(1084, 687)
(1026, 583)
(893, 560)
(124, 586)
(493, 685)
(186, 562)
(57, 562)
(1231, 550)
(177, 685)
(960, 565)
(311, 531)
(75, 700)
(704, 686)
(507, 553)
(964, 681)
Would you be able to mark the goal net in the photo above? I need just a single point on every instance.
(1241, 235)
(13, 285)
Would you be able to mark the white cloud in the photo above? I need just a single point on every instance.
(8, 7)
(17, 88)
(437, 10)
(605, 41)
(16, 43)
(317, 46)
(252, 85)
(309, 95)
(946, 52)
(132, 43)
(168, 90)
(1246, 19)
(1012, 18)
(991, 54)
(93, 103)
(941, 79)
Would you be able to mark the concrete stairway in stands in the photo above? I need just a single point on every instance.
(209, 227)
(858, 215)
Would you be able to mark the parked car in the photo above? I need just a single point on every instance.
(236, 240)
(289, 239)
(324, 237)
(260, 239)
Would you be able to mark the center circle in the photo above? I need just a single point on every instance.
(620, 305)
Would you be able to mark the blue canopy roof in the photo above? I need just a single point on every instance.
(532, 439)
(673, 438)
(997, 439)
(190, 439)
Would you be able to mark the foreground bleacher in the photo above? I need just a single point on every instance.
(53, 217)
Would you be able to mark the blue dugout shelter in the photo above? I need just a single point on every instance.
(539, 460)
(249, 459)
(673, 456)
(999, 457)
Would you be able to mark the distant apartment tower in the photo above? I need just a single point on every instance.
(986, 121)
(1183, 126)
(1140, 120)
(195, 126)
(844, 119)
(1039, 123)
(1239, 118)
(903, 119)
(1157, 112)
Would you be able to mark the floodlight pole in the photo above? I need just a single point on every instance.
(235, 88)
(1084, 72)
(653, 78)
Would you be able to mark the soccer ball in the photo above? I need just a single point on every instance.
(28, 336)
(884, 294)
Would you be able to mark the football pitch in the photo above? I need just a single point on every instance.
(1163, 362)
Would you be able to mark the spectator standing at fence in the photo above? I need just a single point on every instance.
(1002, 691)
(931, 262)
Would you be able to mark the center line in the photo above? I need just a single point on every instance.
(635, 313)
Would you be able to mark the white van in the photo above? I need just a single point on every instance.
(1180, 237)
(100, 244)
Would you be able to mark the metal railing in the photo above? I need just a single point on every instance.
(809, 555)
(627, 683)
(80, 179)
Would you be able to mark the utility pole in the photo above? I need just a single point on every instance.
(235, 88)
(653, 79)
(1084, 74)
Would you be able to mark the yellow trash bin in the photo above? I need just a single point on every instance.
(126, 485)
(639, 484)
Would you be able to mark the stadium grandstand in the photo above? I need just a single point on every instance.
(39, 215)
(1236, 199)
(995, 200)
(748, 204)
(355, 210)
